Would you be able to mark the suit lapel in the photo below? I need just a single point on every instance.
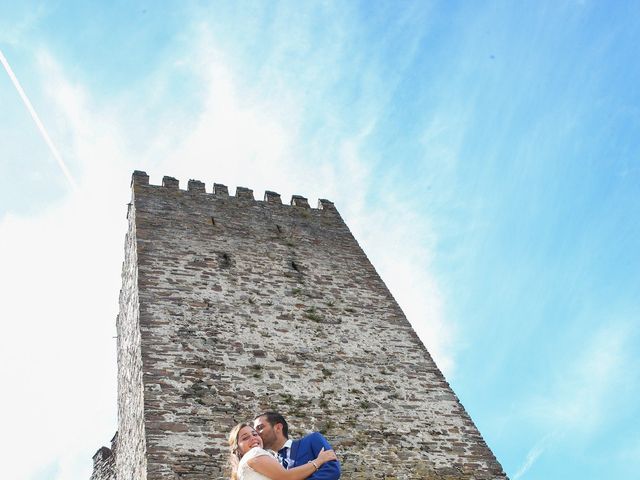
(294, 452)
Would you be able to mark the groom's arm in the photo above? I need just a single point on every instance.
(329, 470)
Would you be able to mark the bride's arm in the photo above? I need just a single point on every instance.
(269, 466)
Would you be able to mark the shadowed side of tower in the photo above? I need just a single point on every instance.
(231, 306)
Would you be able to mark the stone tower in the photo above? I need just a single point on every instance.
(231, 306)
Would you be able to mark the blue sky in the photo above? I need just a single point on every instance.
(485, 154)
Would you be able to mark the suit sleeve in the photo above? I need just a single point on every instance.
(329, 470)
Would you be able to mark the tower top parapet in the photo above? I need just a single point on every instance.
(140, 178)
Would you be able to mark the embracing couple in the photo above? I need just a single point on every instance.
(310, 457)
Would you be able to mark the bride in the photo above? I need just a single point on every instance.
(249, 461)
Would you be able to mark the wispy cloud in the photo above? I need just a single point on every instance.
(581, 397)
(398, 241)
(38, 122)
(17, 23)
(532, 456)
(630, 453)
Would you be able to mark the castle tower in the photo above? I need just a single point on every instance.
(231, 306)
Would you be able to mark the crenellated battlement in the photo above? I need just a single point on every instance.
(219, 190)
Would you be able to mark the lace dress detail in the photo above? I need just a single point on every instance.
(245, 472)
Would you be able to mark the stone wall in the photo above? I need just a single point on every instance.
(104, 463)
(131, 459)
(245, 305)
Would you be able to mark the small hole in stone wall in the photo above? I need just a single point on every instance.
(279, 228)
(213, 221)
(224, 260)
(295, 266)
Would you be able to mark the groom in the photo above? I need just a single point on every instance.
(274, 431)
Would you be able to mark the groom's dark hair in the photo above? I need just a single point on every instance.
(273, 418)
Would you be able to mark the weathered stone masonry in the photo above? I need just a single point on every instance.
(104, 463)
(230, 306)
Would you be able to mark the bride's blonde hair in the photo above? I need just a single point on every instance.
(234, 452)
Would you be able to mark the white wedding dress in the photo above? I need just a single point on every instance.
(245, 472)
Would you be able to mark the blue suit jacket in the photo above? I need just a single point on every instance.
(308, 448)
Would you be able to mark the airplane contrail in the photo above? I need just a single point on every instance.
(34, 115)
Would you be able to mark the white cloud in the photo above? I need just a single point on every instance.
(244, 144)
(57, 350)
